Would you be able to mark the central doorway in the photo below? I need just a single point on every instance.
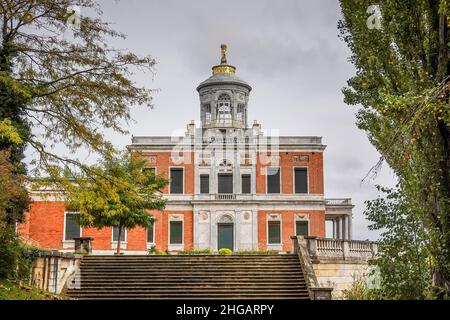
(225, 235)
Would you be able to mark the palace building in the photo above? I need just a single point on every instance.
(231, 186)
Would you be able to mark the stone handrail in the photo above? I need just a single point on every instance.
(323, 248)
(315, 291)
(345, 201)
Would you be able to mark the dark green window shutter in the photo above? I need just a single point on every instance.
(301, 180)
(73, 229)
(116, 234)
(204, 183)
(225, 183)
(150, 233)
(302, 228)
(246, 183)
(176, 232)
(273, 180)
(176, 180)
(274, 232)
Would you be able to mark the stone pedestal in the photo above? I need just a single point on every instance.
(83, 245)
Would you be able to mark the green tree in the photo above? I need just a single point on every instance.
(120, 197)
(60, 84)
(404, 257)
(14, 198)
(401, 84)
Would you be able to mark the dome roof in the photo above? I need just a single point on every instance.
(223, 73)
(223, 78)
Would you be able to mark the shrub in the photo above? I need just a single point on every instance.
(154, 251)
(225, 251)
(10, 252)
(205, 251)
(257, 252)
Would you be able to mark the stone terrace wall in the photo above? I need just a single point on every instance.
(337, 263)
(53, 271)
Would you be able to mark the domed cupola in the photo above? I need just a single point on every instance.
(224, 97)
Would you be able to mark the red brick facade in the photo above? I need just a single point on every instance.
(316, 226)
(44, 224)
(287, 165)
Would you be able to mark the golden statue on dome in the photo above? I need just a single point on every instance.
(223, 49)
(223, 67)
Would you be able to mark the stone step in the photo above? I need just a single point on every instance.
(185, 273)
(189, 258)
(191, 290)
(189, 287)
(184, 263)
(190, 266)
(175, 281)
(195, 278)
(208, 256)
(191, 277)
(204, 296)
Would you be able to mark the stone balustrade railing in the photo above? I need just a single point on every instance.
(225, 196)
(345, 201)
(336, 249)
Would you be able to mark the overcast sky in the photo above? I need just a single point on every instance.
(288, 51)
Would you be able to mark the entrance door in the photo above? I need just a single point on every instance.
(225, 236)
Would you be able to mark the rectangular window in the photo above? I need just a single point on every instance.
(274, 232)
(225, 183)
(246, 183)
(176, 180)
(176, 232)
(150, 233)
(116, 234)
(73, 229)
(273, 180)
(204, 183)
(301, 180)
(302, 228)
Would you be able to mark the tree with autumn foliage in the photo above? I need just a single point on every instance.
(62, 83)
(122, 193)
(402, 89)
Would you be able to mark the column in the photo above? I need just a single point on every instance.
(334, 229)
(349, 227)
(345, 228)
(338, 228)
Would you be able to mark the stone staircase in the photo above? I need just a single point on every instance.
(191, 277)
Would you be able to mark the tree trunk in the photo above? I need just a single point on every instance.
(119, 238)
(441, 280)
(441, 272)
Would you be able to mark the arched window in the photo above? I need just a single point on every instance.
(224, 107)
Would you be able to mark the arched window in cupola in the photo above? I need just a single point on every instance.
(224, 109)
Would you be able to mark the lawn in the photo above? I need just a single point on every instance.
(11, 290)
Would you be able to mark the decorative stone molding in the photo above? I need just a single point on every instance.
(204, 217)
(274, 217)
(151, 159)
(300, 158)
(246, 216)
(301, 217)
